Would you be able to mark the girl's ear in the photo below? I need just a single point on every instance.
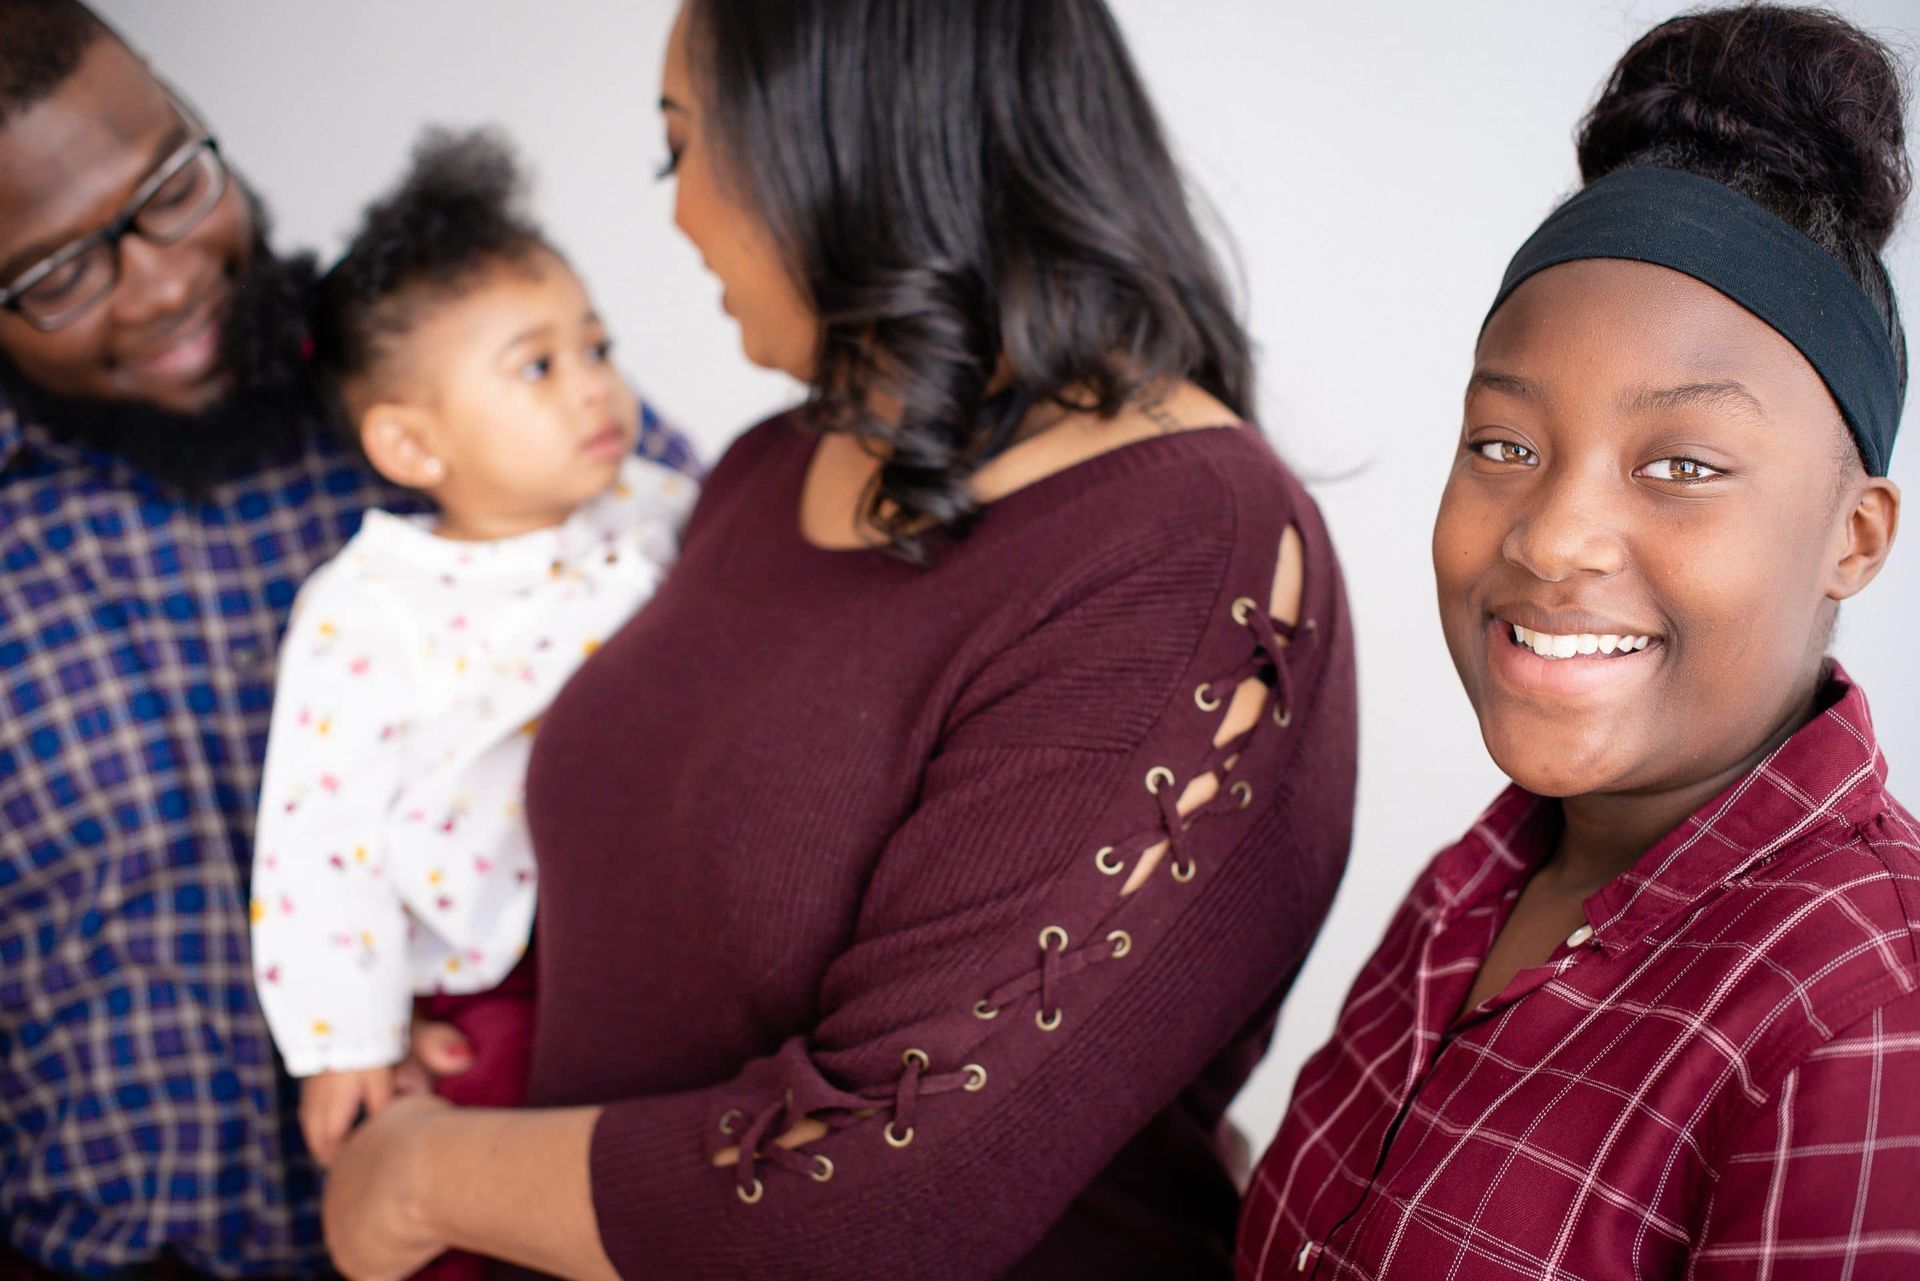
(401, 443)
(1872, 519)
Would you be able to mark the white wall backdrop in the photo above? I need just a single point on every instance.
(1375, 163)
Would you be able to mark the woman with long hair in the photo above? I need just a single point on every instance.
(921, 871)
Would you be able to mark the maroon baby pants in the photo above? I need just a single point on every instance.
(498, 1025)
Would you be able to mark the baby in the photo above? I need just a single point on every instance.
(392, 857)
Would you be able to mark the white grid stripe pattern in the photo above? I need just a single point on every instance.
(1725, 1081)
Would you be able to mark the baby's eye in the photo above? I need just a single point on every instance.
(534, 370)
(1505, 451)
(601, 351)
(1686, 471)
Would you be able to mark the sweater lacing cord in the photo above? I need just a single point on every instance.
(837, 1110)
(1058, 960)
(1267, 663)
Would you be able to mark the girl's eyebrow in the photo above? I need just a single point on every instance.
(1725, 394)
(1510, 384)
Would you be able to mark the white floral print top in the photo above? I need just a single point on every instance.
(392, 856)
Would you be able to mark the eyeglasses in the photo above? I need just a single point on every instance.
(63, 286)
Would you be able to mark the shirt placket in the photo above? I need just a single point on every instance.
(1442, 984)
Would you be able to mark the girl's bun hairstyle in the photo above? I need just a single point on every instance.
(459, 210)
(1796, 109)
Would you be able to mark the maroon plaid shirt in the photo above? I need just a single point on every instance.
(1722, 1080)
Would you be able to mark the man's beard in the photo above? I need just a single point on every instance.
(274, 402)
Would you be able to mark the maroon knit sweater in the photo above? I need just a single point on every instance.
(824, 833)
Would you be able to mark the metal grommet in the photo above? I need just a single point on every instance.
(1122, 943)
(909, 1057)
(1101, 861)
(898, 1141)
(1201, 700)
(1053, 931)
(822, 1169)
(1158, 777)
(1183, 872)
(1243, 609)
(753, 1195)
(1046, 1024)
(1243, 790)
(1282, 716)
(727, 1119)
(981, 1010)
(976, 1078)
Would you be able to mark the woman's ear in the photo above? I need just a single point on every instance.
(401, 444)
(1872, 519)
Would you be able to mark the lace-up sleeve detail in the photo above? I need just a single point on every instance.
(1079, 914)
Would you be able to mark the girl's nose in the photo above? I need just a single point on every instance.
(1567, 531)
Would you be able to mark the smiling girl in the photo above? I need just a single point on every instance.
(1658, 1013)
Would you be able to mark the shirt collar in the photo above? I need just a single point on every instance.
(1829, 776)
(1501, 850)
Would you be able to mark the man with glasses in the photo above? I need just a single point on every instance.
(167, 478)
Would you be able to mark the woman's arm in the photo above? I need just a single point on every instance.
(425, 1177)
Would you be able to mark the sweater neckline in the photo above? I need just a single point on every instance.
(1043, 493)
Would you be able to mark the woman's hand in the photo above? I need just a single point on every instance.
(425, 1176)
(375, 1214)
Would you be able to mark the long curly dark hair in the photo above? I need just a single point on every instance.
(978, 200)
(1796, 109)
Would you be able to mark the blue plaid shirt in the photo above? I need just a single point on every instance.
(141, 1105)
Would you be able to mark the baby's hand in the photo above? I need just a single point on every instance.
(330, 1102)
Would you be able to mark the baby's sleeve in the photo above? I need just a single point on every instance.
(329, 932)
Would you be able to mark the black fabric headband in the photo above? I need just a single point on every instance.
(1703, 229)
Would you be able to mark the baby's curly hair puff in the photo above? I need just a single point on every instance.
(459, 211)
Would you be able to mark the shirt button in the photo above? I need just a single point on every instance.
(1580, 936)
(1304, 1257)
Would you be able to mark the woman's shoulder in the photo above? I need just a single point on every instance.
(1226, 479)
(1216, 506)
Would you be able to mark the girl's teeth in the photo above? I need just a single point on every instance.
(1549, 646)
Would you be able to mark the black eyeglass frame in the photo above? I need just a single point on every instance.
(126, 223)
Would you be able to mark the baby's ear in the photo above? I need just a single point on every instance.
(399, 440)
